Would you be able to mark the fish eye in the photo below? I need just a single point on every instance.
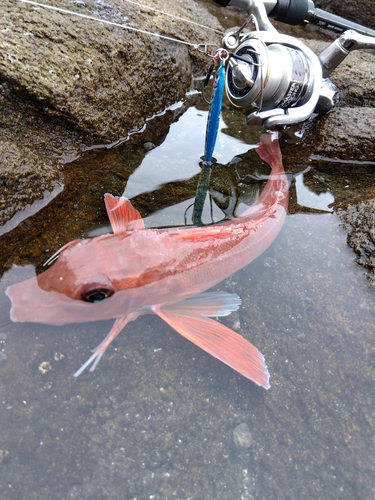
(97, 295)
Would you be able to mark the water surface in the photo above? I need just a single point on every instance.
(151, 421)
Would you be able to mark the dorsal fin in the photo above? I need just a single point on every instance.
(122, 215)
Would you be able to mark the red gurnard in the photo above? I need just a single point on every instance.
(137, 271)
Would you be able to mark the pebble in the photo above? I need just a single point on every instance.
(45, 367)
(239, 438)
(148, 146)
(269, 262)
(301, 337)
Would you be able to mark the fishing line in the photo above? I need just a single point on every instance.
(260, 100)
(125, 26)
(174, 17)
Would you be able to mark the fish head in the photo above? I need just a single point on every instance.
(76, 288)
(80, 272)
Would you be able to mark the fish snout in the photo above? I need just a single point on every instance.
(29, 303)
(26, 300)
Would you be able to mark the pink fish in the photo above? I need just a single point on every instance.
(137, 271)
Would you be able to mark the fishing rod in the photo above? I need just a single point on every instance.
(296, 12)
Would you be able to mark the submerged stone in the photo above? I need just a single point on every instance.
(239, 438)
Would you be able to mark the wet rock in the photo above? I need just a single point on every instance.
(359, 222)
(345, 134)
(67, 83)
(239, 438)
(99, 79)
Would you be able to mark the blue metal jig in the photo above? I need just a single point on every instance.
(214, 113)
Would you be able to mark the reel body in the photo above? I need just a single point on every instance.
(277, 75)
(280, 76)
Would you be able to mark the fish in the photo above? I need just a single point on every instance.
(167, 272)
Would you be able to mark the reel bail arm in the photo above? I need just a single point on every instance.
(335, 53)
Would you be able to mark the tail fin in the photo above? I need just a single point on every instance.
(269, 149)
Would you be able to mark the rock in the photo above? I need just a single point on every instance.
(344, 134)
(149, 146)
(66, 81)
(359, 222)
(239, 438)
(101, 80)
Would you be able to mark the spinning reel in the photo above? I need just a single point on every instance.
(279, 75)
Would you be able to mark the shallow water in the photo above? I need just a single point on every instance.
(152, 421)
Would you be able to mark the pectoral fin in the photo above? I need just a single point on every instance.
(118, 325)
(206, 304)
(221, 342)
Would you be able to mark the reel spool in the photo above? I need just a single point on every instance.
(268, 77)
(276, 74)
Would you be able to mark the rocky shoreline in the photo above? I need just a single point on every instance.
(66, 81)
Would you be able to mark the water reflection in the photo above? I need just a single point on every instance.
(30, 210)
(177, 158)
(306, 197)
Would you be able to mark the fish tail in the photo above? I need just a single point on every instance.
(269, 150)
